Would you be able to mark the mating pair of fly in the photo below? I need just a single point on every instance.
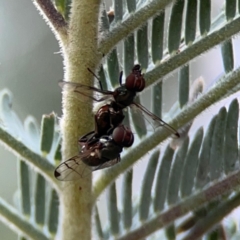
(101, 148)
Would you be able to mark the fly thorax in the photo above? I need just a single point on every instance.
(124, 97)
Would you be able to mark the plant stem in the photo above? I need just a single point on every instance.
(22, 226)
(214, 217)
(53, 17)
(131, 23)
(41, 164)
(220, 188)
(80, 54)
(199, 47)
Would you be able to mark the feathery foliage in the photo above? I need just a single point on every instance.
(193, 179)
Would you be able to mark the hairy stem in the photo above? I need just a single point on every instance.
(53, 18)
(220, 188)
(80, 54)
(40, 164)
(214, 217)
(199, 47)
(12, 218)
(130, 24)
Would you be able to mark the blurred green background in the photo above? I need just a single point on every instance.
(30, 67)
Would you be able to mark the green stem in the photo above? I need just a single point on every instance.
(131, 23)
(42, 165)
(80, 54)
(198, 48)
(214, 217)
(54, 18)
(220, 188)
(11, 217)
(212, 96)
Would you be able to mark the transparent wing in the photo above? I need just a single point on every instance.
(86, 92)
(74, 168)
(152, 119)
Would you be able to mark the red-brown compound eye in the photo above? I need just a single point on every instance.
(135, 81)
(123, 136)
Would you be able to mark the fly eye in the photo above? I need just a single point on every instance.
(135, 82)
(123, 136)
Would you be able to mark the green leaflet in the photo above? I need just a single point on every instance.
(204, 16)
(53, 212)
(204, 156)
(113, 209)
(175, 26)
(118, 10)
(142, 46)
(127, 199)
(230, 10)
(157, 99)
(145, 196)
(138, 120)
(40, 199)
(191, 21)
(64, 7)
(175, 173)
(128, 56)
(216, 152)
(190, 165)
(157, 37)
(24, 187)
(131, 5)
(162, 179)
(231, 138)
(113, 68)
(183, 89)
(47, 132)
(227, 55)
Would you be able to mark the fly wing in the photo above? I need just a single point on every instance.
(154, 120)
(73, 169)
(84, 92)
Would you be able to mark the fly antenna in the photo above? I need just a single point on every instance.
(120, 78)
(99, 81)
